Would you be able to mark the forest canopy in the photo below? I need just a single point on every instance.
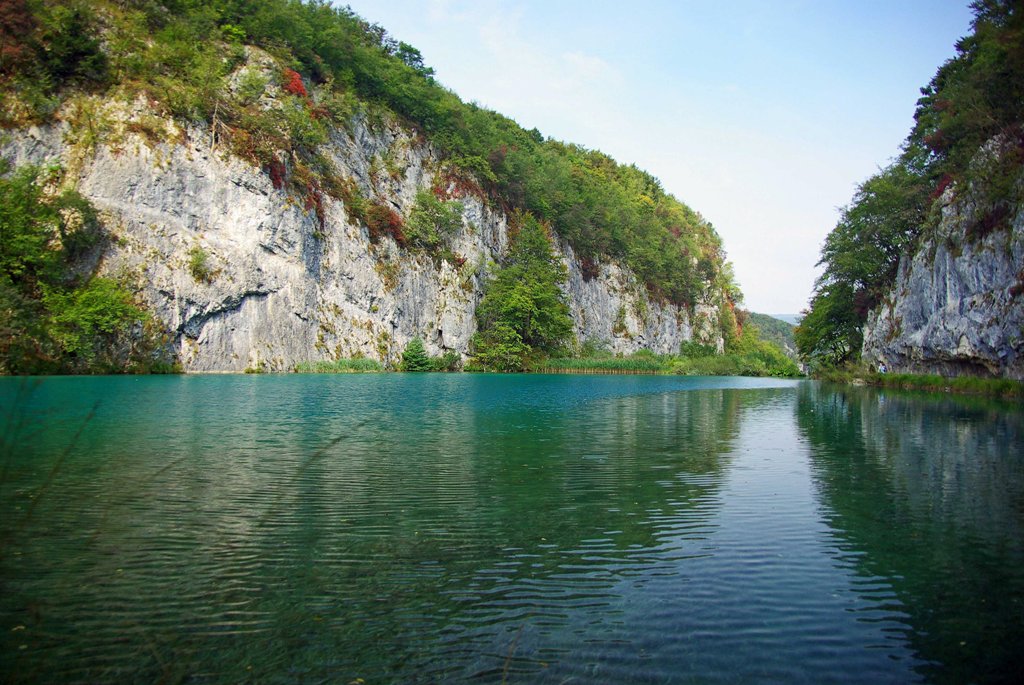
(180, 54)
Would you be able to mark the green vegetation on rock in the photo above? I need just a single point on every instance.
(191, 60)
(523, 312)
(968, 140)
(56, 316)
(272, 82)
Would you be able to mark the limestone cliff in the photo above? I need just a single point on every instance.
(957, 304)
(282, 285)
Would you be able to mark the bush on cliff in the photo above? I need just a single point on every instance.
(56, 316)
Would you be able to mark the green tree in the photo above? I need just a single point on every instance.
(415, 357)
(500, 348)
(880, 225)
(861, 255)
(91, 321)
(830, 332)
(524, 309)
(432, 221)
(54, 315)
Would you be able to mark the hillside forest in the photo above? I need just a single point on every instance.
(58, 56)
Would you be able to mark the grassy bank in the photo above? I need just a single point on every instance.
(362, 365)
(734, 364)
(609, 365)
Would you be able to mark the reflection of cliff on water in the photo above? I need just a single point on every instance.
(419, 526)
(927, 493)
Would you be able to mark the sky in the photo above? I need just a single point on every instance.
(764, 117)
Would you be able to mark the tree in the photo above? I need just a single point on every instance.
(415, 358)
(524, 309)
(861, 256)
(432, 221)
(413, 58)
(500, 348)
(830, 332)
(54, 315)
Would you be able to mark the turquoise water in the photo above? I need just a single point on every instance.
(523, 529)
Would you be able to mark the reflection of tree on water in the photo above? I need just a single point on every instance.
(445, 531)
(529, 527)
(932, 492)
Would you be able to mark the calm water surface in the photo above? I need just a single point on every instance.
(522, 529)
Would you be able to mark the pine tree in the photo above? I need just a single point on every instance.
(415, 358)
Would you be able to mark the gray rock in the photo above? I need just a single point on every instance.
(957, 304)
(282, 288)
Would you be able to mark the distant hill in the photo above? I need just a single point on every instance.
(788, 318)
(777, 331)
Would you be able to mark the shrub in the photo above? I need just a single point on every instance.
(86, 318)
(415, 358)
(383, 221)
(293, 83)
(432, 221)
(199, 265)
(251, 86)
(449, 361)
(695, 350)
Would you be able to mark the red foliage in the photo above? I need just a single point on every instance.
(459, 261)
(315, 112)
(497, 157)
(382, 221)
(741, 315)
(1017, 289)
(990, 221)
(315, 201)
(16, 25)
(277, 172)
(440, 191)
(293, 83)
(941, 188)
(863, 302)
(453, 186)
(936, 142)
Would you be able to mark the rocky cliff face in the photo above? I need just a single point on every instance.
(280, 286)
(957, 305)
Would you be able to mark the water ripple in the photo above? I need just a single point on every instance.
(462, 528)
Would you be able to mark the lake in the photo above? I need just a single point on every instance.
(400, 528)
